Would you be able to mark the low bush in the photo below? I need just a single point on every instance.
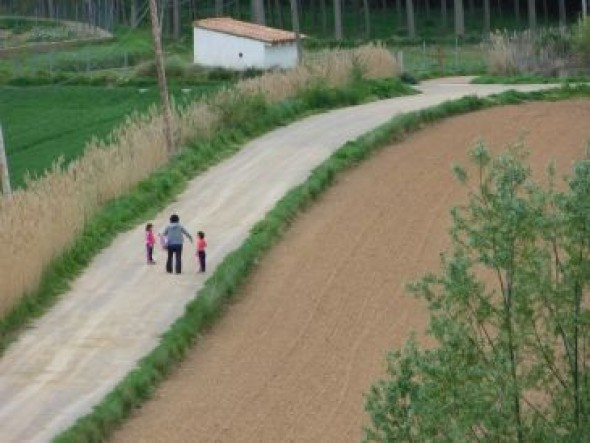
(388, 87)
(222, 74)
(320, 96)
(185, 71)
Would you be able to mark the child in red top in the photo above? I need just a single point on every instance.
(150, 241)
(201, 246)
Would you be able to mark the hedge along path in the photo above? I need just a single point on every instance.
(116, 311)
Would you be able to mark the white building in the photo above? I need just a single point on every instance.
(233, 44)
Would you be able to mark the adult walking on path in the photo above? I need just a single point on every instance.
(174, 234)
(115, 312)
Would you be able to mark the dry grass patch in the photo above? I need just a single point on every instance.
(545, 52)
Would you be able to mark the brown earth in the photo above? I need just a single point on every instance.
(291, 359)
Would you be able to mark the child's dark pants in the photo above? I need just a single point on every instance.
(150, 253)
(176, 251)
(202, 256)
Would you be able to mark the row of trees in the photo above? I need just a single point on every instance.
(319, 16)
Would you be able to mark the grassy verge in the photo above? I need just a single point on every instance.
(233, 271)
(528, 79)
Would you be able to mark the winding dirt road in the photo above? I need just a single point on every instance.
(309, 334)
(291, 360)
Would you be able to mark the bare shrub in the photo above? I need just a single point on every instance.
(545, 52)
(199, 120)
(376, 61)
(39, 222)
(500, 57)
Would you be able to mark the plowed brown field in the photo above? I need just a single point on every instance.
(291, 359)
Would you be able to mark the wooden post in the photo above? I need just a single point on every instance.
(167, 113)
(5, 177)
(295, 21)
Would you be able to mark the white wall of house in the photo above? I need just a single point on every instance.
(213, 48)
(283, 55)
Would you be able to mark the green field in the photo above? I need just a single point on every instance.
(44, 122)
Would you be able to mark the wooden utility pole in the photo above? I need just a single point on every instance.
(460, 18)
(258, 13)
(295, 20)
(532, 15)
(338, 19)
(5, 177)
(410, 18)
(166, 111)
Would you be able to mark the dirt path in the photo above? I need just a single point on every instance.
(116, 310)
(291, 360)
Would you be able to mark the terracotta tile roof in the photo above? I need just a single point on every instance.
(253, 31)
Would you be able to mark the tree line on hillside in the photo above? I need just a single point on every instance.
(325, 17)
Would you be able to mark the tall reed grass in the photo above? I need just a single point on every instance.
(545, 52)
(38, 223)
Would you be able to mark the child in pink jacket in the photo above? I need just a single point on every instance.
(201, 246)
(150, 241)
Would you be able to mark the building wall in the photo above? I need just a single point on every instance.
(283, 56)
(228, 51)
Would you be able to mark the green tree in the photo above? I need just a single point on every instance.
(258, 12)
(399, 12)
(508, 314)
(532, 14)
(517, 11)
(443, 14)
(562, 15)
(459, 18)
(411, 22)
(486, 17)
(338, 20)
